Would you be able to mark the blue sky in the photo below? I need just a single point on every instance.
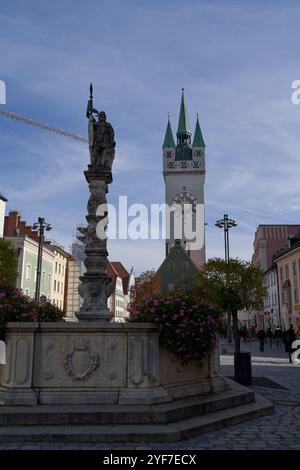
(236, 61)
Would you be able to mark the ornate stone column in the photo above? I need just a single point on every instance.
(96, 286)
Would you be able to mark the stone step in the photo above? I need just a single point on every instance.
(109, 433)
(124, 414)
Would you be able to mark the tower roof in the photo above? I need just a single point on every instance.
(183, 122)
(198, 138)
(169, 139)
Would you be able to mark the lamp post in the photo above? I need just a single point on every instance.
(41, 226)
(226, 224)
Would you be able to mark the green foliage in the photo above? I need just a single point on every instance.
(235, 285)
(8, 263)
(14, 306)
(189, 326)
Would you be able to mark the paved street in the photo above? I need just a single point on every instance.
(279, 431)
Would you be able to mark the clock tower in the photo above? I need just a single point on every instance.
(184, 175)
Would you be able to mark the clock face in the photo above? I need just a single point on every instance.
(185, 198)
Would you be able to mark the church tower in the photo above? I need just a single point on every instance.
(184, 175)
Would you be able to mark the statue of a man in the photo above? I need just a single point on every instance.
(101, 138)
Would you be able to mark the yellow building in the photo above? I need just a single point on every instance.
(288, 263)
(59, 276)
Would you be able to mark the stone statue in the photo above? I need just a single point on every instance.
(101, 138)
(96, 286)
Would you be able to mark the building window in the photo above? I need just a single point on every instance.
(294, 268)
(286, 271)
(296, 297)
(281, 274)
(56, 266)
(63, 270)
(54, 285)
(43, 277)
(62, 287)
(28, 271)
(49, 280)
(58, 286)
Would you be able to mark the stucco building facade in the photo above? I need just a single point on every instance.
(288, 264)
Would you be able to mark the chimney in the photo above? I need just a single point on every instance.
(11, 223)
(292, 239)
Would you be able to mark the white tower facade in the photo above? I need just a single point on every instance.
(184, 175)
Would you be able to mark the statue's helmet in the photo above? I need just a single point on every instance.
(102, 116)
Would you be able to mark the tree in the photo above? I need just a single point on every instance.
(234, 285)
(8, 263)
(146, 285)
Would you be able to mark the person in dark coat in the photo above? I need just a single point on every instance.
(269, 335)
(278, 336)
(261, 335)
(290, 338)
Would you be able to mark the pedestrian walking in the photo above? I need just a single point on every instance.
(278, 337)
(269, 336)
(261, 335)
(290, 338)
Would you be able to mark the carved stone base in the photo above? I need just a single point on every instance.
(94, 314)
(98, 363)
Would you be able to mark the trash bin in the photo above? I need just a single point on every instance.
(242, 368)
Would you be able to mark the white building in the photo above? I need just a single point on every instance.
(122, 281)
(3, 202)
(58, 288)
(271, 308)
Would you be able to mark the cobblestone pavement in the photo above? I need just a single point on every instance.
(278, 431)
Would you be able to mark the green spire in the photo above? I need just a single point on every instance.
(169, 139)
(183, 123)
(198, 138)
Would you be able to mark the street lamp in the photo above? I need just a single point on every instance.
(226, 224)
(41, 226)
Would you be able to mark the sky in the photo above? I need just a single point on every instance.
(236, 61)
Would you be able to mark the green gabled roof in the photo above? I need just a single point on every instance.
(198, 138)
(183, 123)
(169, 139)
